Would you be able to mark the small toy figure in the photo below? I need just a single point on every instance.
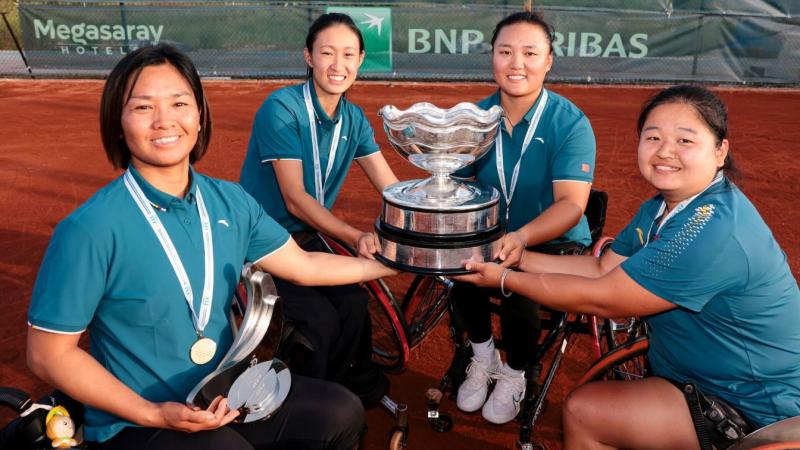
(60, 428)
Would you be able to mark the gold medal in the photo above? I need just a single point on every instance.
(202, 350)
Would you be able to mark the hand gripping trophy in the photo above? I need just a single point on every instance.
(431, 226)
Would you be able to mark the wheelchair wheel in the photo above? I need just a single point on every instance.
(794, 445)
(396, 442)
(626, 362)
(424, 305)
(390, 348)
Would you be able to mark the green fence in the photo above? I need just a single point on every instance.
(752, 41)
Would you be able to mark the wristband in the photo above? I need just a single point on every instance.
(503, 281)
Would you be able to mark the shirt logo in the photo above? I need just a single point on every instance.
(539, 139)
(224, 222)
(344, 138)
(585, 168)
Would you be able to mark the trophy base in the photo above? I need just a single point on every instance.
(435, 254)
(256, 390)
(260, 390)
(467, 219)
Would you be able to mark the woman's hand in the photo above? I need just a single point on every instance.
(177, 416)
(486, 274)
(512, 246)
(368, 244)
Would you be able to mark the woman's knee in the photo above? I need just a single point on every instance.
(574, 405)
(579, 406)
(335, 414)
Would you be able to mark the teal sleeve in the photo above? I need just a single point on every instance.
(266, 235)
(627, 242)
(276, 131)
(366, 136)
(692, 260)
(71, 280)
(574, 160)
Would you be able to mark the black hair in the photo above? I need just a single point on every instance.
(530, 17)
(117, 91)
(326, 21)
(708, 106)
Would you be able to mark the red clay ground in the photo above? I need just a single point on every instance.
(51, 160)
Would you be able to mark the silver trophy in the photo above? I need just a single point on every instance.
(254, 381)
(431, 226)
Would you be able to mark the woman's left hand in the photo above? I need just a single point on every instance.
(512, 245)
(485, 274)
(367, 245)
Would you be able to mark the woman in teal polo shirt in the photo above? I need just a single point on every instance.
(149, 264)
(303, 141)
(542, 164)
(703, 269)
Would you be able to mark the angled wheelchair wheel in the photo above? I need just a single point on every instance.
(626, 362)
(782, 435)
(390, 348)
(424, 305)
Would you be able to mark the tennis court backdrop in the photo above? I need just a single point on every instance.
(722, 41)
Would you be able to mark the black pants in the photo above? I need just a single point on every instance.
(334, 319)
(519, 316)
(316, 415)
(519, 321)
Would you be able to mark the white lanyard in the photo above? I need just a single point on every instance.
(508, 193)
(319, 183)
(678, 208)
(172, 254)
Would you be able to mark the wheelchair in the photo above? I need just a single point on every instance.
(629, 362)
(558, 330)
(397, 328)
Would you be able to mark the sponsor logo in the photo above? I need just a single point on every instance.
(573, 43)
(86, 38)
(376, 28)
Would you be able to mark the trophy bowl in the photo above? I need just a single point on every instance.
(430, 226)
(440, 141)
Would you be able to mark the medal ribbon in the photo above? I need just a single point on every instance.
(319, 183)
(508, 193)
(200, 321)
(678, 208)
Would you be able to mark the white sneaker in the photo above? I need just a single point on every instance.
(472, 392)
(504, 403)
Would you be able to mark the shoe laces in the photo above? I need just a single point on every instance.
(509, 385)
(478, 371)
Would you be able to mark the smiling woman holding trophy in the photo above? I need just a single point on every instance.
(149, 265)
(542, 162)
(303, 142)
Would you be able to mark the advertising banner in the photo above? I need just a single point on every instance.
(758, 44)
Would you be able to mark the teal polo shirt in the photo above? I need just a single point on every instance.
(281, 131)
(106, 271)
(562, 149)
(735, 330)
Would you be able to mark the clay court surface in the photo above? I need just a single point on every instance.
(51, 160)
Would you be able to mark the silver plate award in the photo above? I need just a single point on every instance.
(431, 226)
(254, 381)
